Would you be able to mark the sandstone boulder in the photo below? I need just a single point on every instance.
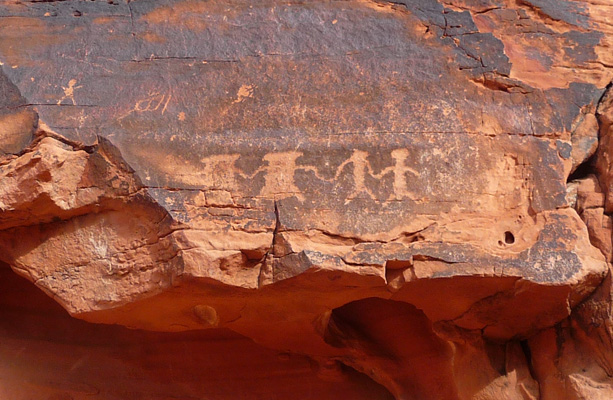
(414, 194)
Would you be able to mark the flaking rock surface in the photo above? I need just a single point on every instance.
(349, 199)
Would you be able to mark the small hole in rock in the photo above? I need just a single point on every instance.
(509, 238)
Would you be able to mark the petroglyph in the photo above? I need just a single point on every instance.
(399, 170)
(153, 102)
(279, 175)
(361, 166)
(219, 172)
(279, 172)
(244, 92)
(69, 92)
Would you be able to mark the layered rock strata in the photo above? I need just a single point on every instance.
(413, 195)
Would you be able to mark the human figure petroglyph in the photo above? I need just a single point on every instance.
(279, 175)
(69, 92)
(279, 169)
(219, 171)
(399, 169)
(361, 166)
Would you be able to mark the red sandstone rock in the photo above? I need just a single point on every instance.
(379, 186)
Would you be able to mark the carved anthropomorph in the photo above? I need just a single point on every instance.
(219, 172)
(279, 175)
(400, 169)
(362, 168)
(279, 169)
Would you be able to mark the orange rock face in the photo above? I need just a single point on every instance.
(324, 199)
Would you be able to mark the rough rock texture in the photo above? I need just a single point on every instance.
(407, 199)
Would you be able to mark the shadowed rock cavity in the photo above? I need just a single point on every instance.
(398, 345)
(54, 356)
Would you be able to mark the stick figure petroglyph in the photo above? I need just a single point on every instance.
(279, 169)
(69, 92)
(279, 174)
(399, 169)
(361, 166)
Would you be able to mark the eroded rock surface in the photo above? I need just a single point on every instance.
(413, 194)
